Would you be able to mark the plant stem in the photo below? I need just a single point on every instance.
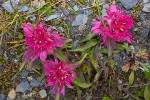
(109, 48)
(58, 94)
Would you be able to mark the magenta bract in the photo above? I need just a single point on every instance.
(115, 25)
(59, 74)
(40, 41)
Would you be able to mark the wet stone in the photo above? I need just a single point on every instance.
(23, 86)
(35, 83)
(145, 32)
(128, 4)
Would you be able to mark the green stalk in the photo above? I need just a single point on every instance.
(58, 94)
(109, 48)
(98, 9)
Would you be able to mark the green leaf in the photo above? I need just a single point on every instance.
(95, 64)
(85, 47)
(147, 74)
(106, 98)
(88, 37)
(104, 51)
(81, 84)
(67, 46)
(59, 54)
(82, 59)
(79, 91)
(119, 47)
(20, 36)
(97, 75)
(131, 78)
(147, 92)
(126, 46)
(21, 66)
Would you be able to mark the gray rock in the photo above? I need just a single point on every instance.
(52, 17)
(142, 16)
(76, 8)
(23, 86)
(75, 44)
(43, 93)
(24, 73)
(128, 4)
(37, 3)
(117, 57)
(23, 8)
(2, 96)
(7, 6)
(80, 19)
(104, 12)
(146, 23)
(35, 83)
(145, 32)
(145, 1)
(146, 7)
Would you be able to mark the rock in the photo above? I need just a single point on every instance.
(35, 83)
(128, 4)
(142, 16)
(8, 98)
(105, 7)
(52, 17)
(29, 78)
(2, 96)
(104, 12)
(38, 3)
(75, 44)
(23, 8)
(12, 94)
(24, 73)
(145, 1)
(117, 57)
(76, 8)
(146, 7)
(146, 23)
(43, 93)
(80, 19)
(23, 86)
(145, 32)
(7, 6)
(139, 23)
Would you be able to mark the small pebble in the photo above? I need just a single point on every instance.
(12, 94)
(128, 4)
(145, 32)
(43, 93)
(80, 19)
(2, 96)
(34, 83)
(23, 86)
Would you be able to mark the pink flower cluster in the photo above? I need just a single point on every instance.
(59, 74)
(40, 41)
(115, 25)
